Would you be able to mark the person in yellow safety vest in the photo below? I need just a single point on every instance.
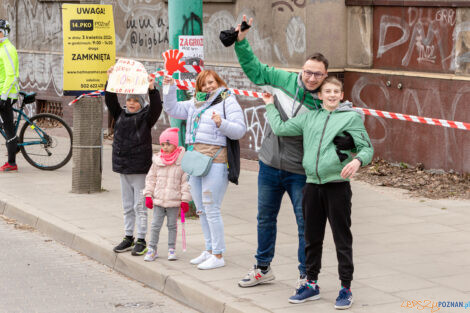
(9, 89)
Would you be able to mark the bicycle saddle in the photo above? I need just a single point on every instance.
(28, 97)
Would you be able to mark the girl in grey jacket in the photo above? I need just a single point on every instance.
(212, 115)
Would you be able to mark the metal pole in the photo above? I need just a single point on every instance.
(185, 18)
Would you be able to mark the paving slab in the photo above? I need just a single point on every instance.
(404, 248)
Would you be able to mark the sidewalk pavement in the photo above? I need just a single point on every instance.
(405, 248)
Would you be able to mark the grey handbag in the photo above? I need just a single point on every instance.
(197, 164)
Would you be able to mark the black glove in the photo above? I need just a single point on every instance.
(345, 142)
(342, 156)
(228, 37)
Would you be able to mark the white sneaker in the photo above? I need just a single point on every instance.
(201, 258)
(172, 255)
(212, 262)
(151, 255)
(256, 276)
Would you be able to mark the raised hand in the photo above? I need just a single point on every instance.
(172, 61)
(110, 70)
(243, 30)
(268, 98)
(168, 80)
(151, 81)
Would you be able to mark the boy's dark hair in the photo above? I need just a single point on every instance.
(317, 56)
(332, 80)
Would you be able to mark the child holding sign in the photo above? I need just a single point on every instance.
(132, 158)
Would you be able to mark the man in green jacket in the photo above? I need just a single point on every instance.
(280, 158)
(327, 194)
(9, 89)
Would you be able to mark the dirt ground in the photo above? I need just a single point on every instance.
(433, 184)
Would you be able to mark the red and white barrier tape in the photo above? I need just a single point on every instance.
(416, 119)
(187, 84)
(192, 69)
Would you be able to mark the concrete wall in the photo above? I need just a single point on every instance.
(422, 36)
(426, 50)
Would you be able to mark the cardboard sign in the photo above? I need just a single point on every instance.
(129, 77)
(193, 49)
(89, 46)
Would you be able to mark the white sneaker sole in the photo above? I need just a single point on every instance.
(317, 297)
(256, 282)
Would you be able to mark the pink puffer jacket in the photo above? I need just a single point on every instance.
(167, 184)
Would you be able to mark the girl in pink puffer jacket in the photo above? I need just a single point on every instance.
(166, 190)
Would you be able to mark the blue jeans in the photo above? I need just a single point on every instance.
(208, 193)
(272, 184)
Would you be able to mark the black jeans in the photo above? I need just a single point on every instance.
(6, 112)
(330, 201)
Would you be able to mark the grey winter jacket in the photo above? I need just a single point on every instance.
(232, 126)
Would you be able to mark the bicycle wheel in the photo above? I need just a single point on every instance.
(46, 141)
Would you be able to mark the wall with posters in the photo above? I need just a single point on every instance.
(425, 36)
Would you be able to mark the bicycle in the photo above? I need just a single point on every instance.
(45, 140)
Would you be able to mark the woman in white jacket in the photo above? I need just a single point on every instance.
(212, 115)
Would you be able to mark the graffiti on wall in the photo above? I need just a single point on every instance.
(40, 25)
(282, 5)
(41, 30)
(438, 146)
(41, 72)
(146, 28)
(418, 38)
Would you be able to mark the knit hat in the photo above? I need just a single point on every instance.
(138, 98)
(170, 135)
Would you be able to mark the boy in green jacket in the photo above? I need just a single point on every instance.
(327, 194)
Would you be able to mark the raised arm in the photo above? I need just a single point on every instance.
(155, 103)
(111, 99)
(291, 127)
(174, 108)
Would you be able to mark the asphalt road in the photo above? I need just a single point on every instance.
(38, 274)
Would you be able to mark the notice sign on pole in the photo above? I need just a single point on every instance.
(129, 77)
(89, 46)
(193, 49)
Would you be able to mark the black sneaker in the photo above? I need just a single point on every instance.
(126, 245)
(140, 247)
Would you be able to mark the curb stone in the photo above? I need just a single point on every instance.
(182, 288)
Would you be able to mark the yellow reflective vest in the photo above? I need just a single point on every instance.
(9, 70)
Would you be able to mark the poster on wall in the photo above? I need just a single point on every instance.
(89, 46)
(193, 49)
(128, 77)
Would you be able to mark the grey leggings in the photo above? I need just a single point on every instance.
(157, 222)
(135, 212)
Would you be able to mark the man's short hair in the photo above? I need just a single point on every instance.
(317, 56)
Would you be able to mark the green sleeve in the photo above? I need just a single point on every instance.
(364, 148)
(259, 73)
(291, 127)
